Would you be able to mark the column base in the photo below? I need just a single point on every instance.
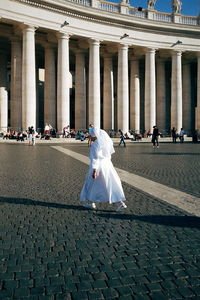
(197, 118)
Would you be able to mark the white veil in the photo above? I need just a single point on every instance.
(103, 142)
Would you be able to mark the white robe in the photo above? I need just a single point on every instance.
(107, 186)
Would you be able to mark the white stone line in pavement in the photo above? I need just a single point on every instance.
(184, 201)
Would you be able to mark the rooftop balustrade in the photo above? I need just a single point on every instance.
(127, 9)
(123, 8)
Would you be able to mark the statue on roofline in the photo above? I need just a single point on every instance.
(125, 1)
(151, 4)
(176, 6)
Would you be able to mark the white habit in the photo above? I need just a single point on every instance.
(107, 186)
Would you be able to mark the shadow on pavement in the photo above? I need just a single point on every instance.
(179, 221)
(169, 153)
(31, 202)
(25, 201)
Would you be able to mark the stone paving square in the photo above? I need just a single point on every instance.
(53, 248)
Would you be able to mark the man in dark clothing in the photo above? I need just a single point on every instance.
(121, 138)
(174, 135)
(155, 135)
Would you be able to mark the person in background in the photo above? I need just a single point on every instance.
(155, 136)
(33, 136)
(121, 138)
(46, 129)
(91, 126)
(181, 135)
(30, 136)
(174, 135)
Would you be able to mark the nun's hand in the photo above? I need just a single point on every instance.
(94, 175)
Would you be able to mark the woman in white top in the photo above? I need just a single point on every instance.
(102, 182)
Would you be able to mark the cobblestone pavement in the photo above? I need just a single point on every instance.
(175, 165)
(52, 248)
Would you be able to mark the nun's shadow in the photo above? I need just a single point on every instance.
(166, 220)
(27, 202)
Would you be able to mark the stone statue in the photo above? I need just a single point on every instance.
(176, 6)
(125, 1)
(151, 4)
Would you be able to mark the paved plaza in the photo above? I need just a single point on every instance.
(53, 248)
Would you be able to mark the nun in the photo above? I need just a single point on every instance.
(102, 182)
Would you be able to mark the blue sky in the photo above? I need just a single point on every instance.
(189, 7)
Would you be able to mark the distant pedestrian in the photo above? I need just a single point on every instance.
(155, 136)
(91, 127)
(33, 136)
(195, 136)
(149, 133)
(181, 135)
(66, 131)
(30, 136)
(47, 129)
(174, 135)
(102, 182)
(122, 138)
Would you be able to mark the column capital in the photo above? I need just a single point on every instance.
(160, 59)
(17, 30)
(176, 52)
(82, 44)
(79, 51)
(28, 27)
(63, 35)
(15, 39)
(137, 52)
(48, 45)
(51, 38)
(123, 46)
(94, 42)
(106, 55)
(150, 50)
(133, 57)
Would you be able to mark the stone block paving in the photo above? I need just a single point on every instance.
(175, 165)
(52, 248)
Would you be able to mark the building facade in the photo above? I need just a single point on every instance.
(91, 61)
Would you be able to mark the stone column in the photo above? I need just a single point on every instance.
(150, 90)
(50, 86)
(176, 91)
(94, 84)
(63, 103)
(3, 109)
(161, 95)
(28, 78)
(16, 84)
(3, 92)
(122, 90)
(80, 91)
(135, 95)
(187, 99)
(197, 112)
(108, 93)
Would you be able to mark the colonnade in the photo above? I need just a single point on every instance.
(88, 96)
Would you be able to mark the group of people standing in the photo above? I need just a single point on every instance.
(175, 135)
